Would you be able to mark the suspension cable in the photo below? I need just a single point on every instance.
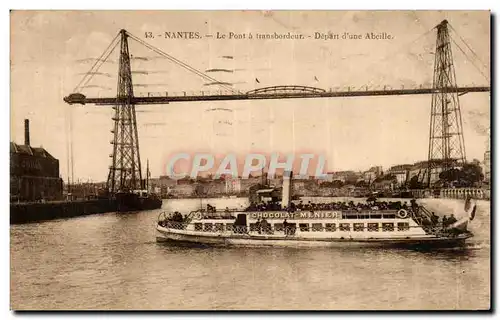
(100, 59)
(470, 49)
(180, 63)
(102, 62)
(470, 60)
(396, 51)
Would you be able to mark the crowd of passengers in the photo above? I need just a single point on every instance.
(338, 205)
(432, 221)
(310, 206)
(428, 221)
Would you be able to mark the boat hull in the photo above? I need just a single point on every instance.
(132, 202)
(245, 240)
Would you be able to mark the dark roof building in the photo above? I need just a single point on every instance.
(34, 172)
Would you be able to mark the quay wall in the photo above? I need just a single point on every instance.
(33, 212)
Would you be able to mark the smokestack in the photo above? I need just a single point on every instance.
(286, 189)
(26, 132)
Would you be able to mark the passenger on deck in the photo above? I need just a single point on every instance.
(426, 222)
(451, 220)
(434, 219)
(445, 221)
(211, 209)
(177, 216)
(265, 226)
(414, 205)
(239, 225)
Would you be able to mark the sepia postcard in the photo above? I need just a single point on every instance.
(250, 160)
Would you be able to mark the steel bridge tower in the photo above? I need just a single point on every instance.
(446, 139)
(125, 170)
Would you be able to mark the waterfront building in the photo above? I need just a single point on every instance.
(401, 172)
(34, 172)
(344, 176)
(372, 173)
(421, 169)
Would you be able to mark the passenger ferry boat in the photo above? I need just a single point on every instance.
(320, 228)
(413, 226)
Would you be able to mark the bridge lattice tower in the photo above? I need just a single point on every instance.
(446, 138)
(125, 170)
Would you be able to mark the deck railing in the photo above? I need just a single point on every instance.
(220, 228)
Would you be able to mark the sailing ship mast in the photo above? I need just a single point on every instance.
(147, 175)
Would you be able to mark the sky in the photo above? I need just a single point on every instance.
(50, 52)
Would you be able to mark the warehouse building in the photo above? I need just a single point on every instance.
(34, 172)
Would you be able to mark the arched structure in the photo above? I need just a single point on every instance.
(286, 89)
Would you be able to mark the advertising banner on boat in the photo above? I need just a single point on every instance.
(296, 215)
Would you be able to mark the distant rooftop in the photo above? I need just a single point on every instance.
(401, 167)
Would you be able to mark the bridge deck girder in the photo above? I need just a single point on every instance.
(81, 99)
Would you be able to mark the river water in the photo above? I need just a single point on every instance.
(112, 261)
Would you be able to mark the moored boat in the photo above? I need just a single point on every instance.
(137, 200)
